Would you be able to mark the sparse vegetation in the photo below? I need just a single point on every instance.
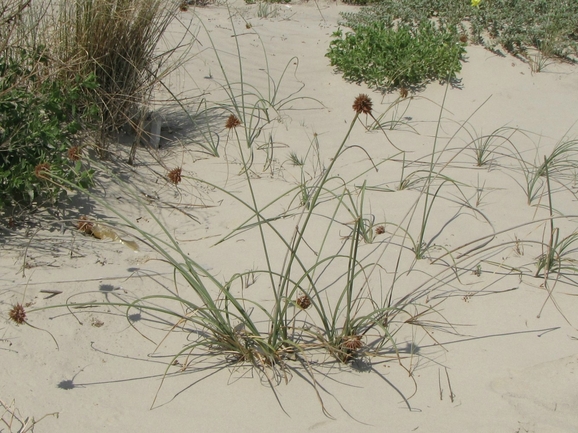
(347, 268)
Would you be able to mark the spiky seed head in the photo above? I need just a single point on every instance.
(379, 230)
(75, 153)
(84, 225)
(362, 104)
(184, 6)
(175, 175)
(463, 38)
(352, 343)
(17, 314)
(232, 122)
(41, 169)
(403, 92)
(304, 302)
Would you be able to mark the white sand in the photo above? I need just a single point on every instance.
(500, 369)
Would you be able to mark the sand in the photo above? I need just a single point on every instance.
(499, 354)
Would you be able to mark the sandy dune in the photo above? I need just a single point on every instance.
(498, 368)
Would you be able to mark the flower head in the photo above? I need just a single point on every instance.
(352, 343)
(304, 302)
(85, 225)
(74, 153)
(476, 3)
(41, 169)
(175, 175)
(232, 122)
(362, 104)
(17, 314)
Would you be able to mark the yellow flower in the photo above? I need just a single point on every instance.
(476, 2)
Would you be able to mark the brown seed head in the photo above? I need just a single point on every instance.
(379, 230)
(403, 92)
(362, 104)
(84, 225)
(74, 153)
(184, 6)
(175, 175)
(41, 169)
(232, 122)
(304, 302)
(17, 314)
(352, 343)
(463, 38)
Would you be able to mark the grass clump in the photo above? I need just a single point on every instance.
(403, 56)
(116, 41)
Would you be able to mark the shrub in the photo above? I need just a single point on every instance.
(37, 132)
(385, 57)
(551, 26)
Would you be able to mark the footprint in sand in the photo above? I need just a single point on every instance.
(545, 395)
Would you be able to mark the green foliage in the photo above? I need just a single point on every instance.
(39, 121)
(551, 26)
(385, 57)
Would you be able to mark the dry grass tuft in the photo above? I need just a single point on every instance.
(114, 41)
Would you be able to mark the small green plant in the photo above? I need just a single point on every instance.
(267, 9)
(560, 165)
(484, 146)
(402, 56)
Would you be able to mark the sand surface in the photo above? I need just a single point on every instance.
(498, 354)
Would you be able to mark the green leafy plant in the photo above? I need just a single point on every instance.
(548, 26)
(38, 130)
(386, 57)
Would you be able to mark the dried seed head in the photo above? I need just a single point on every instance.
(352, 343)
(362, 104)
(175, 175)
(184, 6)
(403, 92)
(74, 153)
(304, 302)
(84, 225)
(41, 169)
(463, 38)
(232, 122)
(17, 314)
(379, 230)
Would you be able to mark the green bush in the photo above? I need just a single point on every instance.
(548, 25)
(37, 129)
(551, 26)
(386, 57)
